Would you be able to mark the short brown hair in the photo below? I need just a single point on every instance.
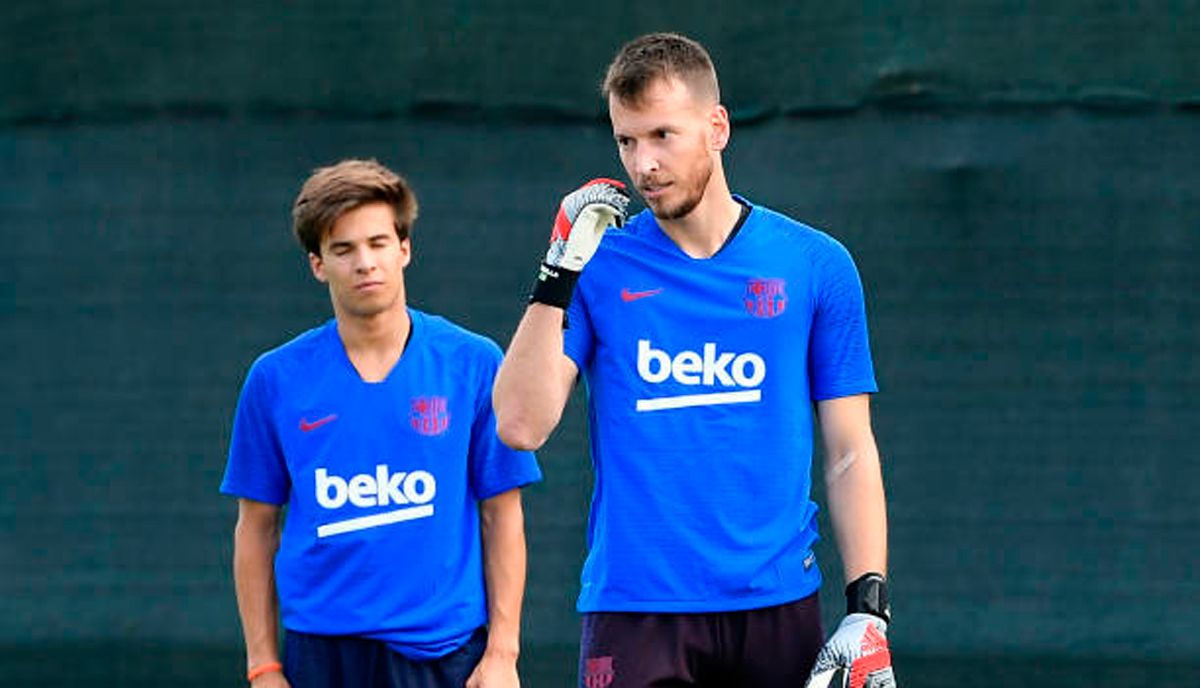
(654, 56)
(332, 191)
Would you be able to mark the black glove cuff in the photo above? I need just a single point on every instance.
(868, 593)
(554, 286)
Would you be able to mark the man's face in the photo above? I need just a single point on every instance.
(362, 260)
(667, 141)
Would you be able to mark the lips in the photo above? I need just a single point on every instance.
(367, 286)
(653, 190)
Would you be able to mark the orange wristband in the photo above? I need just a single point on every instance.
(263, 669)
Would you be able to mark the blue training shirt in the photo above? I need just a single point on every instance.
(701, 375)
(381, 482)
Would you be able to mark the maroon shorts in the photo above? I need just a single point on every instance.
(771, 647)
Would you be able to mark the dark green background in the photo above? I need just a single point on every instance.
(1019, 184)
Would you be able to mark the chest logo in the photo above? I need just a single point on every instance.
(765, 297)
(738, 376)
(627, 295)
(429, 416)
(411, 491)
(308, 426)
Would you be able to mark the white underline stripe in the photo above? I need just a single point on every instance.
(686, 400)
(374, 520)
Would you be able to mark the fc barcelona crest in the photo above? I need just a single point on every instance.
(429, 415)
(598, 672)
(766, 297)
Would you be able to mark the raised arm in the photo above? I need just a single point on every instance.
(535, 379)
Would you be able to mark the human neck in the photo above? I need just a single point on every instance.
(702, 232)
(374, 344)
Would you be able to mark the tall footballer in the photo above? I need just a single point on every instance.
(707, 329)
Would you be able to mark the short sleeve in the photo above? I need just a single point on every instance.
(578, 336)
(495, 468)
(256, 467)
(839, 353)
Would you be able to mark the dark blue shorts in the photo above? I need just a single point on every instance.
(771, 647)
(322, 661)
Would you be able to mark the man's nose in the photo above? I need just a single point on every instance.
(645, 160)
(364, 260)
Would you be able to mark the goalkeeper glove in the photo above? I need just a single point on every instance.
(859, 647)
(582, 217)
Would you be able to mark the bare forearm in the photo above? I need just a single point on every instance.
(534, 380)
(854, 485)
(254, 580)
(504, 571)
(854, 488)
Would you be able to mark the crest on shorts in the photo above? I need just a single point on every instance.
(429, 415)
(765, 297)
(598, 672)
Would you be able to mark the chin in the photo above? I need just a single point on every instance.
(677, 211)
(367, 308)
(362, 312)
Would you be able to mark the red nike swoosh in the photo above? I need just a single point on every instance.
(628, 296)
(305, 426)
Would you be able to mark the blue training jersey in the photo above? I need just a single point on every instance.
(381, 482)
(701, 375)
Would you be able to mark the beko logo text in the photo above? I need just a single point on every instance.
(413, 490)
(381, 489)
(705, 367)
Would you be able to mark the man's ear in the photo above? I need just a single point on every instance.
(719, 127)
(406, 250)
(317, 266)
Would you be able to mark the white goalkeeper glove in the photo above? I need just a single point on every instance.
(857, 655)
(582, 218)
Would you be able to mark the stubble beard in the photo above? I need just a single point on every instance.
(691, 199)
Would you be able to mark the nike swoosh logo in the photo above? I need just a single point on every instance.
(628, 296)
(305, 426)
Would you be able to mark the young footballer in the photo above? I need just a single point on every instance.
(706, 329)
(401, 562)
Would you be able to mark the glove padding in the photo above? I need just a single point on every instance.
(859, 645)
(582, 218)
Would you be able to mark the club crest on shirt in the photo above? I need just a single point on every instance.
(765, 297)
(429, 415)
